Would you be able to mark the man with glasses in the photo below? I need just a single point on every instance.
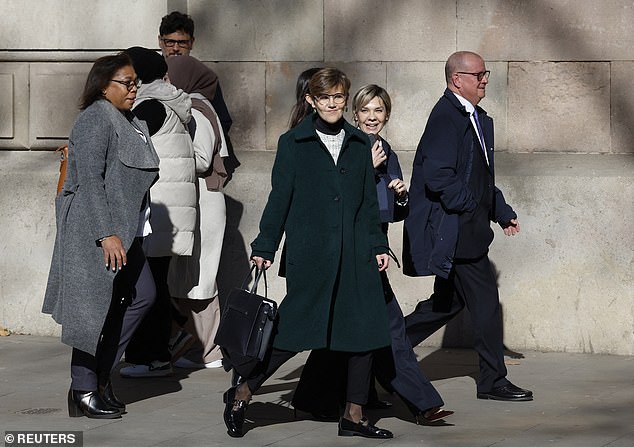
(176, 37)
(453, 199)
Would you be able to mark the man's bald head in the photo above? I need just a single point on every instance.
(458, 61)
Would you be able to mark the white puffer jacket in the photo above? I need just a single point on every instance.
(173, 214)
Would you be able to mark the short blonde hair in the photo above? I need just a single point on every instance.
(365, 94)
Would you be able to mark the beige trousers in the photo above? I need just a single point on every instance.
(203, 318)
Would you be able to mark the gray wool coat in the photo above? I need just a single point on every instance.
(110, 170)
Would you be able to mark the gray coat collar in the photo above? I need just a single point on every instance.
(138, 154)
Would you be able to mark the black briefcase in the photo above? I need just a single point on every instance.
(247, 320)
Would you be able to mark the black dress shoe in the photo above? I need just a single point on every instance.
(378, 405)
(362, 428)
(235, 411)
(108, 396)
(89, 404)
(508, 392)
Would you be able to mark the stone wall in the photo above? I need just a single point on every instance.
(560, 93)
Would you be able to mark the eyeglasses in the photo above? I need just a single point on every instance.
(128, 84)
(337, 98)
(480, 75)
(181, 43)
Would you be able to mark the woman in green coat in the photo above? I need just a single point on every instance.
(323, 198)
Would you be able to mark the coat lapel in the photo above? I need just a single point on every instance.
(485, 122)
(138, 153)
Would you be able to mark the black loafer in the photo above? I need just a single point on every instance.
(235, 411)
(508, 392)
(362, 428)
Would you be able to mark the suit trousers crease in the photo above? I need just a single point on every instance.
(133, 295)
(471, 283)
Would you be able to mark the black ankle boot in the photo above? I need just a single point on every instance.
(108, 396)
(89, 404)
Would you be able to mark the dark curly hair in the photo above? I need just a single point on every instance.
(176, 21)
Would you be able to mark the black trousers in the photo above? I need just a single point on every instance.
(132, 296)
(409, 381)
(322, 383)
(471, 283)
(358, 379)
(151, 340)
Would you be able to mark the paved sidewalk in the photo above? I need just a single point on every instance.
(580, 400)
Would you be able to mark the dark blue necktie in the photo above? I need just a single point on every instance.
(480, 134)
(477, 121)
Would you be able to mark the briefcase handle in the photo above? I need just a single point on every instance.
(258, 274)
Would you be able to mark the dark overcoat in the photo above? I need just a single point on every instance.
(439, 190)
(330, 216)
(110, 170)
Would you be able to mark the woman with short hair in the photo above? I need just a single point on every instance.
(323, 199)
(397, 368)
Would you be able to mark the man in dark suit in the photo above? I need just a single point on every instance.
(453, 199)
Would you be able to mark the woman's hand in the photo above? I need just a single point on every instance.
(383, 260)
(398, 186)
(259, 262)
(378, 154)
(113, 252)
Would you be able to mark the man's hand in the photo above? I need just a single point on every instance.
(113, 252)
(512, 228)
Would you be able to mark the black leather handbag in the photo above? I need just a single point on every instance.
(247, 320)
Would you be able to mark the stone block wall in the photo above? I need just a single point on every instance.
(559, 79)
(560, 93)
